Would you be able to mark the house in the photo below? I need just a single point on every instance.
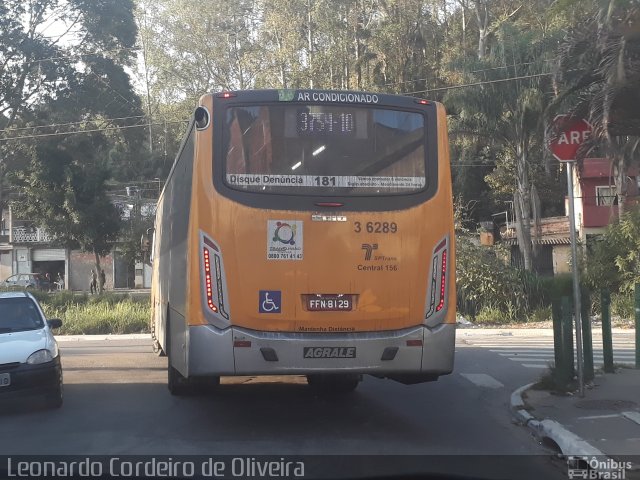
(595, 207)
(595, 196)
(26, 248)
(552, 251)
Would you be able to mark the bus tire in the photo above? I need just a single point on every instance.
(177, 384)
(334, 383)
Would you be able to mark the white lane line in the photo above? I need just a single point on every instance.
(534, 365)
(482, 380)
(595, 417)
(633, 416)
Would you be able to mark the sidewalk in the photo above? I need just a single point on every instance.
(605, 422)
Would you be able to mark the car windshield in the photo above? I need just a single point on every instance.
(19, 314)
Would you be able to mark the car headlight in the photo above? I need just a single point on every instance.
(41, 356)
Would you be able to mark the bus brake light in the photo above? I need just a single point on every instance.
(207, 276)
(443, 280)
(438, 279)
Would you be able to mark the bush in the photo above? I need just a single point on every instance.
(494, 316)
(106, 317)
(541, 314)
(614, 260)
(485, 282)
(108, 313)
(622, 305)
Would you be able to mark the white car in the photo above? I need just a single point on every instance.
(29, 356)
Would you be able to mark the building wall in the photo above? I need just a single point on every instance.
(6, 264)
(81, 264)
(561, 259)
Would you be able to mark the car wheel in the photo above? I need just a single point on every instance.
(55, 398)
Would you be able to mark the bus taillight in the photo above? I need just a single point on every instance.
(214, 289)
(443, 280)
(438, 279)
(207, 276)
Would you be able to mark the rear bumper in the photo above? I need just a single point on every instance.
(416, 350)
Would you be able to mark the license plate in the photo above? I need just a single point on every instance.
(329, 303)
(5, 379)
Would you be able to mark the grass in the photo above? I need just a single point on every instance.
(109, 313)
(97, 317)
(548, 381)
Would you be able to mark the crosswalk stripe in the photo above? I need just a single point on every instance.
(483, 380)
(551, 355)
(549, 351)
(538, 352)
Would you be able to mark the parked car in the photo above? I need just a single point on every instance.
(26, 280)
(29, 355)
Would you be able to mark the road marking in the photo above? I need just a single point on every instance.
(633, 416)
(537, 351)
(482, 380)
(595, 417)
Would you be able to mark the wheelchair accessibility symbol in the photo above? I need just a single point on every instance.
(269, 301)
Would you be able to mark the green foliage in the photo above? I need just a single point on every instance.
(558, 286)
(64, 192)
(614, 260)
(110, 313)
(542, 314)
(623, 305)
(484, 281)
(495, 316)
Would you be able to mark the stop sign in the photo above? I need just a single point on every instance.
(572, 132)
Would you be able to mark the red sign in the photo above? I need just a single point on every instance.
(571, 134)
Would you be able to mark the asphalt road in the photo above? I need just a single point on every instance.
(117, 403)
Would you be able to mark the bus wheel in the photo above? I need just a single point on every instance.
(336, 383)
(178, 385)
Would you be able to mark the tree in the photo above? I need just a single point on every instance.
(508, 114)
(70, 51)
(64, 191)
(598, 77)
(614, 260)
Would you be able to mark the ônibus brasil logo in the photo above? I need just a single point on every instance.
(285, 233)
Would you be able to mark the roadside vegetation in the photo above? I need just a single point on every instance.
(83, 314)
(492, 292)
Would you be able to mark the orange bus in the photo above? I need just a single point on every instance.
(307, 232)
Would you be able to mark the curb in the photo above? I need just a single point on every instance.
(94, 338)
(568, 442)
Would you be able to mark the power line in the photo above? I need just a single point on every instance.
(89, 131)
(485, 82)
(55, 125)
(501, 67)
(74, 56)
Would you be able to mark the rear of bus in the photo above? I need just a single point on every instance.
(320, 237)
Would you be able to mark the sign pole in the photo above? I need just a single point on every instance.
(576, 278)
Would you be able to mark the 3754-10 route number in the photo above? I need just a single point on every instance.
(375, 227)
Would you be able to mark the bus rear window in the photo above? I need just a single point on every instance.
(324, 150)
